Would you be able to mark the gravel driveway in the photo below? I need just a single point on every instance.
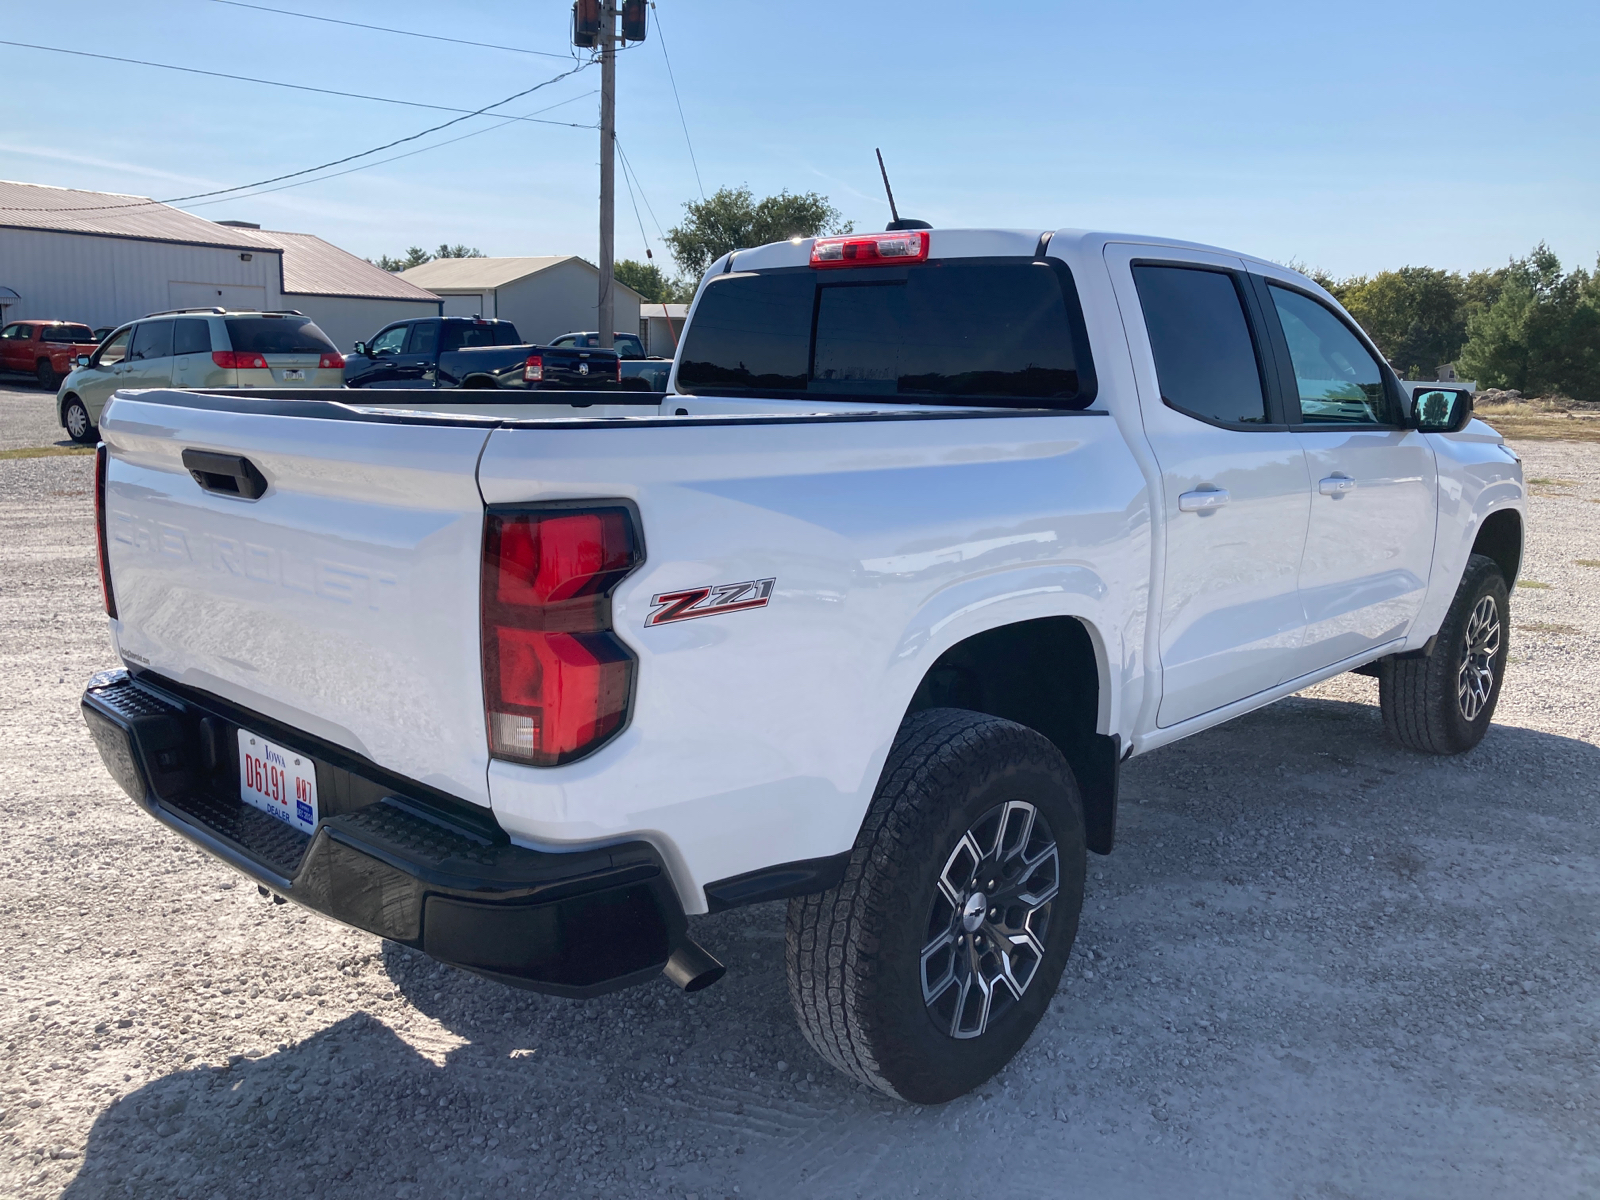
(1316, 966)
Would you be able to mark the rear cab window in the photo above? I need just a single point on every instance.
(1004, 332)
(66, 333)
(277, 335)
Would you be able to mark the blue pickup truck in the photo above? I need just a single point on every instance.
(475, 353)
(639, 372)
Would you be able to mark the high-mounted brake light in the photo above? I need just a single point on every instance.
(556, 680)
(533, 369)
(101, 461)
(332, 360)
(873, 250)
(240, 360)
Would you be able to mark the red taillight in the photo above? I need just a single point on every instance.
(331, 361)
(241, 360)
(101, 460)
(619, 368)
(533, 369)
(873, 250)
(556, 679)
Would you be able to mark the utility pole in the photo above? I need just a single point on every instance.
(606, 43)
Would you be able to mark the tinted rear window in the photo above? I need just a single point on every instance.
(277, 335)
(961, 331)
(67, 333)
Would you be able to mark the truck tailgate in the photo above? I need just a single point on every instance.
(343, 601)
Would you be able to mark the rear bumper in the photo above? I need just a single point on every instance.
(392, 858)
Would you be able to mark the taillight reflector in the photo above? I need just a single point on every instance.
(332, 360)
(533, 369)
(101, 461)
(556, 680)
(240, 360)
(873, 250)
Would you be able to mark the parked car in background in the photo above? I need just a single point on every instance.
(102, 332)
(476, 353)
(197, 348)
(43, 349)
(639, 372)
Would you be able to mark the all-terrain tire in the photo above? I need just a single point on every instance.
(856, 952)
(1442, 703)
(75, 418)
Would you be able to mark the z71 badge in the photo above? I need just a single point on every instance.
(688, 603)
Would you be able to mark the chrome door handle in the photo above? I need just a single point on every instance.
(1336, 485)
(1202, 501)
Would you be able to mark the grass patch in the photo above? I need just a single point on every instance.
(1554, 482)
(45, 451)
(1547, 627)
(1587, 562)
(1532, 583)
(1516, 422)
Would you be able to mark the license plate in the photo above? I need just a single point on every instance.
(294, 373)
(277, 781)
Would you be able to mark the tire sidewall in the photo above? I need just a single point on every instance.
(925, 1064)
(1483, 578)
(88, 433)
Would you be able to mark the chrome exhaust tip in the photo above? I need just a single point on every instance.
(692, 969)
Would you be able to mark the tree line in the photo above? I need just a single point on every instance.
(1529, 325)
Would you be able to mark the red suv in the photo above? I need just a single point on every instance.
(44, 349)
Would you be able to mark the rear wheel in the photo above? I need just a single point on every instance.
(927, 969)
(76, 419)
(1443, 703)
(46, 375)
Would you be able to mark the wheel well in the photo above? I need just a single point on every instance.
(61, 406)
(1042, 674)
(1500, 537)
(476, 383)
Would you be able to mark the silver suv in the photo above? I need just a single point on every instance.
(197, 348)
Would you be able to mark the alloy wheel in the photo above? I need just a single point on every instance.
(989, 917)
(1480, 647)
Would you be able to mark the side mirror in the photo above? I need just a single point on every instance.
(81, 361)
(360, 348)
(1442, 410)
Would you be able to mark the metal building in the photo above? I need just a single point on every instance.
(543, 296)
(103, 258)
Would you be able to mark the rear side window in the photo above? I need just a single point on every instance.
(277, 335)
(191, 336)
(459, 336)
(424, 338)
(1205, 357)
(67, 333)
(957, 331)
(153, 339)
(1339, 381)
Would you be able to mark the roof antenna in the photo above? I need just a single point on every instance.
(896, 223)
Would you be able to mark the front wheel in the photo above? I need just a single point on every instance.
(76, 418)
(928, 967)
(1442, 703)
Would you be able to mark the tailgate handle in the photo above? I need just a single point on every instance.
(225, 474)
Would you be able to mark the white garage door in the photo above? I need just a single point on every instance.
(216, 295)
(464, 306)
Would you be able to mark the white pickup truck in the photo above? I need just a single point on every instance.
(931, 532)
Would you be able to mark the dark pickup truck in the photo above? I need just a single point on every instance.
(470, 352)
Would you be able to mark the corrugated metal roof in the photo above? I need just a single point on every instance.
(313, 267)
(68, 210)
(481, 272)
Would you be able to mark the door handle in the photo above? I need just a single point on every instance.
(1200, 502)
(1336, 485)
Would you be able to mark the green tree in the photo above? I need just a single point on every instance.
(651, 282)
(457, 251)
(1417, 315)
(416, 256)
(1541, 332)
(732, 219)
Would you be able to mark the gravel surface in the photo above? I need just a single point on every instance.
(1316, 966)
(28, 416)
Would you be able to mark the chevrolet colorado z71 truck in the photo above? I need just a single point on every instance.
(933, 530)
(474, 353)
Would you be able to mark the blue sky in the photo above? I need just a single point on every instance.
(1352, 137)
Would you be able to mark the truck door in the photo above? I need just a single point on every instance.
(16, 347)
(1235, 492)
(417, 366)
(376, 368)
(1373, 482)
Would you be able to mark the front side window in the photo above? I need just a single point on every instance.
(390, 341)
(114, 351)
(424, 338)
(67, 333)
(1339, 381)
(278, 335)
(16, 332)
(151, 340)
(1200, 338)
(191, 335)
(956, 331)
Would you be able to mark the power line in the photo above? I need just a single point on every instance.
(628, 170)
(394, 158)
(693, 162)
(434, 37)
(243, 187)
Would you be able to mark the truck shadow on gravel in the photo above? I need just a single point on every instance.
(1206, 962)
